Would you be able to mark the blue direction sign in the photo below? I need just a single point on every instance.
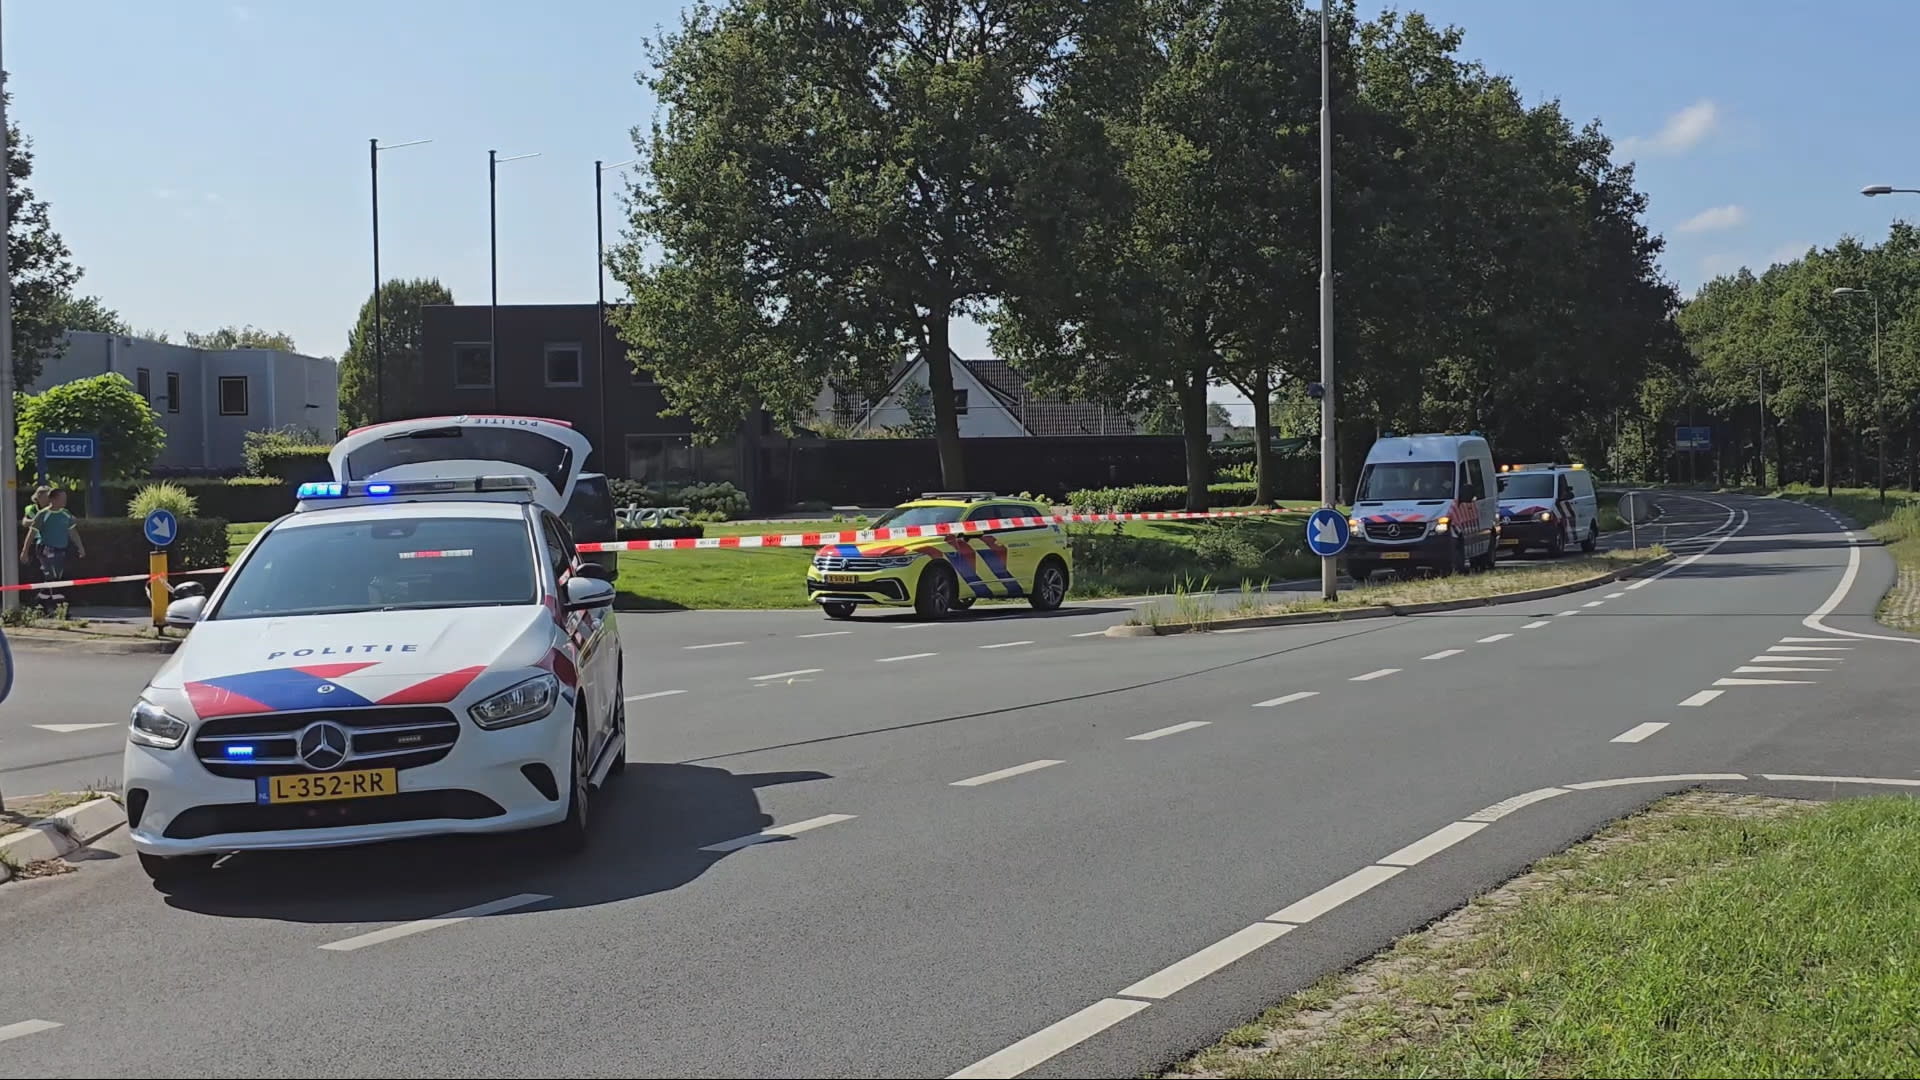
(68, 447)
(161, 527)
(1692, 438)
(1327, 532)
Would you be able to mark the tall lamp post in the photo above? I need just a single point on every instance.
(600, 170)
(1329, 568)
(379, 324)
(9, 509)
(494, 160)
(1879, 396)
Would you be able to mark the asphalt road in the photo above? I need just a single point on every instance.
(1000, 826)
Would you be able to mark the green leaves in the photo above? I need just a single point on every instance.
(400, 302)
(106, 406)
(39, 266)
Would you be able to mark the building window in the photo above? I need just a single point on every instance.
(233, 395)
(472, 366)
(959, 402)
(173, 391)
(563, 365)
(143, 382)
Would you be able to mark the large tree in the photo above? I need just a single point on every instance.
(832, 183)
(400, 304)
(105, 406)
(89, 313)
(39, 266)
(242, 337)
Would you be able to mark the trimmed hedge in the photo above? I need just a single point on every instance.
(242, 498)
(295, 464)
(119, 545)
(1145, 498)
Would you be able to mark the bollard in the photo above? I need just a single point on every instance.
(157, 591)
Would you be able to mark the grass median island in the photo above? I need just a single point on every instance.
(1711, 935)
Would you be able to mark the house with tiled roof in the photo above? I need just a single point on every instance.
(991, 399)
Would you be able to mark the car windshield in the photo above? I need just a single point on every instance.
(384, 565)
(1526, 485)
(902, 516)
(1407, 480)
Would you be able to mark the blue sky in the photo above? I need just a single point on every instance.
(207, 159)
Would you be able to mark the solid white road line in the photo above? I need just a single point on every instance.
(714, 645)
(1171, 729)
(1897, 781)
(825, 633)
(1615, 595)
(1002, 774)
(1180, 974)
(68, 729)
(1371, 675)
(908, 656)
(1286, 699)
(1763, 682)
(421, 926)
(654, 694)
(25, 1027)
(1050, 1041)
(1535, 624)
(1006, 644)
(1311, 907)
(1638, 732)
(1433, 843)
(1701, 698)
(1839, 593)
(786, 674)
(778, 832)
(1809, 648)
(1761, 669)
(1443, 654)
(1593, 603)
(1509, 805)
(1805, 640)
(1491, 638)
(1775, 658)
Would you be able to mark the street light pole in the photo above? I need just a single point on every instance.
(379, 320)
(493, 267)
(10, 519)
(1826, 379)
(1760, 379)
(1329, 567)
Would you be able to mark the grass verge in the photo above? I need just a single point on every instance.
(22, 812)
(1711, 935)
(1897, 525)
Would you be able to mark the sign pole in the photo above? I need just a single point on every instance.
(1329, 567)
(160, 528)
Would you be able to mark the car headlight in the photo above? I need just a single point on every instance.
(152, 725)
(1546, 515)
(519, 704)
(892, 561)
(1441, 523)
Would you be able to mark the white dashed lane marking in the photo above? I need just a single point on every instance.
(68, 729)
(1776, 658)
(1191, 969)
(825, 633)
(1371, 675)
(34, 1027)
(1311, 907)
(787, 674)
(421, 926)
(1569, 611)
(1170, 729)
(1638, 732)
(1092, 633)
(1701, 698)
(1761, 669)
(1286, 699)
(1443, 654)
(1763, 682)
(1006, 644)
(908, 656)
(1051, 1040)
(1615, 595)
(1002, 774)
(778, 832)
(1536, 624)
(654, 694)
(714, 645)
(1593, 603)
(1491, 638)
(1433, 843)
(1808, 648)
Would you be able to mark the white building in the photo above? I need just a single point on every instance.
(207, 399)
(990, 399)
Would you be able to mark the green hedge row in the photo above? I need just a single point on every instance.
(1145, 498)
(119, 546)
(295, 464)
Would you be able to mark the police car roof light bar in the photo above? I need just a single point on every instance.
(376, 489)
(968, 496)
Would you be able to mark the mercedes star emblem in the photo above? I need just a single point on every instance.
(323, 745)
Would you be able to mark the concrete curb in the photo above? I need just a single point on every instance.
(34, 638)
(1386, 610)
(62, 834)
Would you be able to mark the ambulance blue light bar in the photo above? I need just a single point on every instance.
(358, 489)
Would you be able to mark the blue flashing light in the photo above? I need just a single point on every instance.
(239, 751)
(320, 489)
(379, 489)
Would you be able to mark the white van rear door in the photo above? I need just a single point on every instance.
(549, 451)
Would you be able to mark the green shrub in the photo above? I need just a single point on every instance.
(1146, 498)
(241, 498)
(1245, 472)
(163, 496)
(719, 502)
(291, 453)
(118, 545)
(295, 464)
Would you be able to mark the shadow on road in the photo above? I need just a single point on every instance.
(649, 827)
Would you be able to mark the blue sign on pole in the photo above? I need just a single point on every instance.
(1327, 533)
(1692, 438)
(68, 447)
(160, 527)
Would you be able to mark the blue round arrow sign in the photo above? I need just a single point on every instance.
(161, 527)
(1327, 532)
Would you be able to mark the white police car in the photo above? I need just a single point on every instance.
(416, 650)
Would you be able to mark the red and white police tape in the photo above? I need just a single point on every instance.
(789, 540)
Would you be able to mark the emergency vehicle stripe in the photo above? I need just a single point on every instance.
(961, 559)
(435, 691)
(271, 690)
(996, 561)
(333, 671)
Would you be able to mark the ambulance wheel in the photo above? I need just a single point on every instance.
(838, 609)
(1592, 542)
(1049, 585)
(938, 590)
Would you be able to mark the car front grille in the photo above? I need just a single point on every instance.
(848, 564)
(401, 738)
(1396, 530)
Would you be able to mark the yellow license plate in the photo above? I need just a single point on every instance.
(321, 787)
(843, 579)
(1396, 554)
(1509, 543)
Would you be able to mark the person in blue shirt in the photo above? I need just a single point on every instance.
(53, 537)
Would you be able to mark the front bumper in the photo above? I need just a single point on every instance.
(175, 806)
(889, 588)
(1521, 533)
(1433, 549)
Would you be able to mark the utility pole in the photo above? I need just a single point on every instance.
(1826, 379)
(9, 483)
(379, 330)
(1329, 567)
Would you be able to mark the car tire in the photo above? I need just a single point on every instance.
(569, 835)
(172, 869)
(938, 589)
(1592, 543)
(1050, 585)
(1557, 546)
(1457, 563)
(838, 609)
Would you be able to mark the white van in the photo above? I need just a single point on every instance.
(1548, 506)
(1424, 500)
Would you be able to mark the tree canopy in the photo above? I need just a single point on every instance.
(400, 304)
(40, 269)
(106, 406)
(241, 337)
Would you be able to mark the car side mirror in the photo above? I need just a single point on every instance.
(594, 570)
(185, 612)
(189, 588)
(587, 594)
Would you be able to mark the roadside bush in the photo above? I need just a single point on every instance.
(118, 545)
(1246, 472)
(241, 498)
(1146, 498)
(162, 496)
(293, 454)
(708, 502)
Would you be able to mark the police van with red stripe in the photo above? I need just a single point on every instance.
(416, 650)
(1424, 501)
